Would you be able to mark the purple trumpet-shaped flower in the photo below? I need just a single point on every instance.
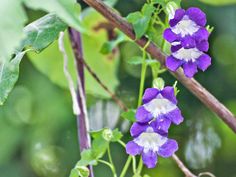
(188, 28)
(150, 142)
(190, 59)
(158, 105)
(189, 40)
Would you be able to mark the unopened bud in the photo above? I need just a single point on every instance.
(171, 7)
(107, 134)
(159, 83)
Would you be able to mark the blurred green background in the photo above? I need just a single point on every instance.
(38, 130)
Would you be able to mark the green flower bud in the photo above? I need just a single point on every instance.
(107, 134)
(171, 7)
(82, 171)
(158, 83)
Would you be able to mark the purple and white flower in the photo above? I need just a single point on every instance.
(189, 40)
(150, 142)
(188, 28)
(191, 59)
(159, 105)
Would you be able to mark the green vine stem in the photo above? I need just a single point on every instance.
(133, 158)
(143, 73)
(111, 161)
(126, 166)
(141, 89)
(110, 166)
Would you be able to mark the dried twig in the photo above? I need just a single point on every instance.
(82, 118)
(197, 89)
(113, 96)
(181, 165)
(69, 79)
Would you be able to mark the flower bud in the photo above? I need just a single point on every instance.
(171, 8)
(158, 83)
(82, 171)
(107, 134)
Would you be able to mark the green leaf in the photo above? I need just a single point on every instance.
(42, 32)
(107, 134)
(116, 135)
(83, 171)
(141, 20)
(99, 147)
(65, 9)
(39, 34)
(100, 143)
(11, 31)
(219, 2)
(79, 171)
(110, 45)
(9, 73)
(74, 173)
(147, 10)
(140, 23)
(134, 17)
(97, 134)
(50, 60)
(90, 156)
(87, 158)
(129, 115)
(101, 140)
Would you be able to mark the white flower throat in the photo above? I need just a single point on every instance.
(150, 141)
(185, 27)
(159, 106)
(191, 54)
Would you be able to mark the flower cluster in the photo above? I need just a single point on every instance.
(153, 120)
(189, 40)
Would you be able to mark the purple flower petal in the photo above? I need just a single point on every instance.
(196, 15)
(175, 48)
(190, 69)
(149, 159)
(203, 62)
(169, 35)
(161, 125)
(201, 34)
(133, 149)
(137, 128)
(175, 116)
(203, 46)
(172, 63)
(149, 94)
(168, 149)
(179, 13)
(142, 115)
(169, 93)
(188, 42)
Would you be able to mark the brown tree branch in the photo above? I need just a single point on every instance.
(193, 86)
(181, 165)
